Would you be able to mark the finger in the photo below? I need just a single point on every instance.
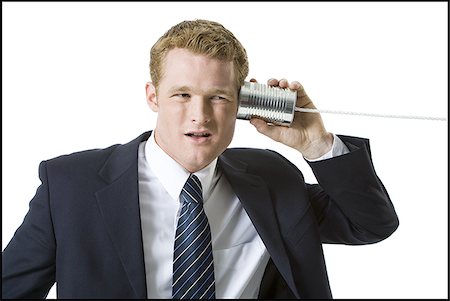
(283, 83)
(272, 82)
(252, 80)
(295, 85)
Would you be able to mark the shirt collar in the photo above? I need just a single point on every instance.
(172, 175)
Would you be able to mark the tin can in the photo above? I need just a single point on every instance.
(272, 104)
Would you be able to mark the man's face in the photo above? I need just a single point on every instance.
(196, 103)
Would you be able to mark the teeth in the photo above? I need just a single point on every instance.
(199, 135)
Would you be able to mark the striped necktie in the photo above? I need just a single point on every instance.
(193, 268)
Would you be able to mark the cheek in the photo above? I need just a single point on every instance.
(170, 115)
(167, 126)
(227, 125)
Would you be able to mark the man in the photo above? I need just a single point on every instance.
(106, 223)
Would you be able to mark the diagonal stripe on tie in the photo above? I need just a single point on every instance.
(193, 267)
(190, 246)
(190, 226)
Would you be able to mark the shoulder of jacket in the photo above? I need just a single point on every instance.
(97, 154)
(91, 159)
(246, 151)
(261, 159)
(85, 154)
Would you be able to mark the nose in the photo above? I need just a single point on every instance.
(200, 110)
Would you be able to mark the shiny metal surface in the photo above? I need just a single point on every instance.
(272, 104)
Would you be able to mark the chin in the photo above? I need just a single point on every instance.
(199, 163)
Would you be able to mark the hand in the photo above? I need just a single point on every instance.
(307, 132)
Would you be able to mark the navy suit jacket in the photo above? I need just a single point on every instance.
(83, 228)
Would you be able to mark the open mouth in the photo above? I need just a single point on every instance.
(192, 134)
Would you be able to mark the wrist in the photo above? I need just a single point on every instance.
(318, 147)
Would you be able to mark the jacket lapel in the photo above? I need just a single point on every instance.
(255, 198)
(119, 205)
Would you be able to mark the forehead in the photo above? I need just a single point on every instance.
(184, 66)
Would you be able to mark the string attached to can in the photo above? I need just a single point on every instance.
(277, 105)
(307, 110)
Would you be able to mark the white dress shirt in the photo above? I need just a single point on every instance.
(240, 256)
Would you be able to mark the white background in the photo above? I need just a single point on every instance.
(74, 76)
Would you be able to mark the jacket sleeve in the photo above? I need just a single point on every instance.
(350, 201)
(28, 261)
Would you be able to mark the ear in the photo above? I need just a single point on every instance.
(150, 92)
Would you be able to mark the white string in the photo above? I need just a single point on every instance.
(308, 110)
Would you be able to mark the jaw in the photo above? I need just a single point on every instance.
(197, 159)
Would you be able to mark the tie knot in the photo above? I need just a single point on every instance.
(192, 190)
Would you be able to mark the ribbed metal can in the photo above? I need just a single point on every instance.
(272, 104)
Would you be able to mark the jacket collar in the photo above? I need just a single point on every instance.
(122, 158)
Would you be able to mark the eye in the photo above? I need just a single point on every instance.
(182, 95)
(219, 99)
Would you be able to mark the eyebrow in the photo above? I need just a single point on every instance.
(189, 89)
(179, 89)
